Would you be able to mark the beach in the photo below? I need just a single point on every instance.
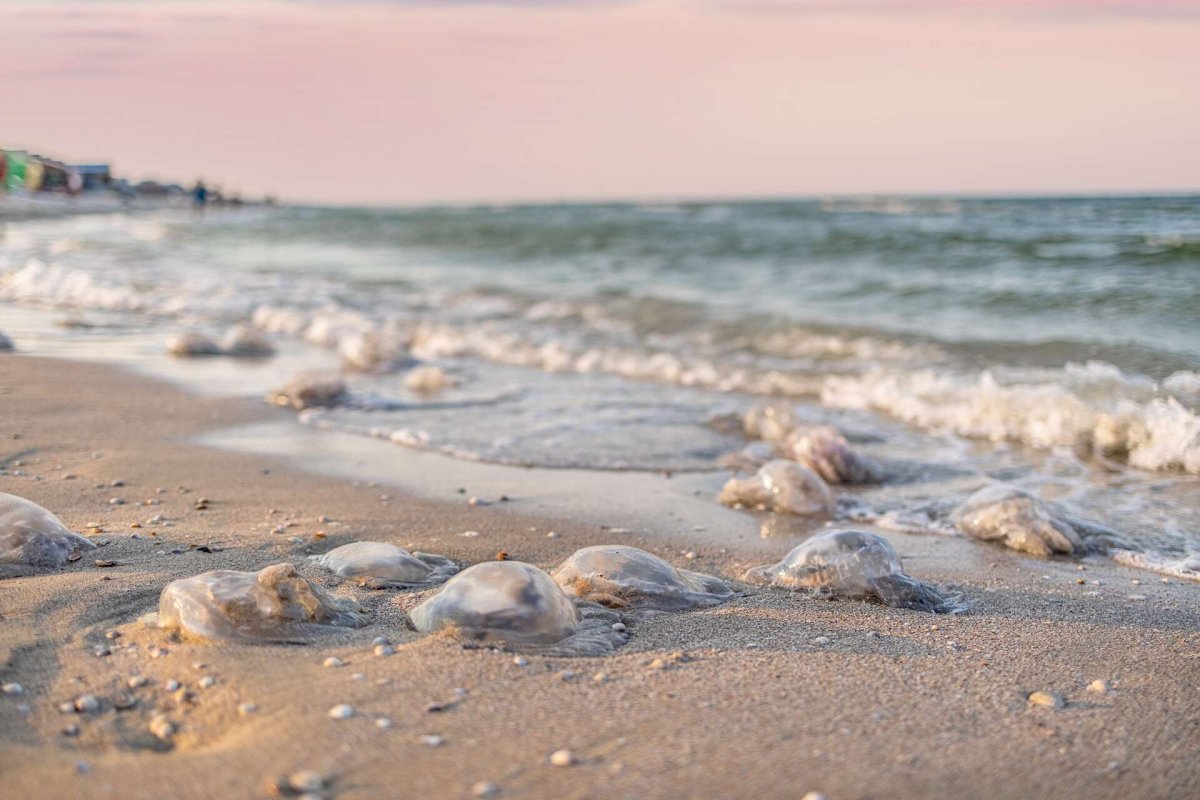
(773, 693)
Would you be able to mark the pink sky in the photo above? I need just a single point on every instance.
(411, 102)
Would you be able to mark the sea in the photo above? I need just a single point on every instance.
(1050, 343)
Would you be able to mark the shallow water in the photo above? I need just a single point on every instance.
(1048, 343)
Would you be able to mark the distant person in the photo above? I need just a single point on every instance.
(199, 197)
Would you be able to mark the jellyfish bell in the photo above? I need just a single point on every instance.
(32, 536)
(783, 486)
(243, 341)
(273, 604)
(770, 422)
(379, 565)
(854, 564)
(310, 391)
(824, 450)
(518, 605)
(1017, 519)
(620, 576)
(191, 344)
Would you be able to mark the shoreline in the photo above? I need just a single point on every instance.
(897, 703)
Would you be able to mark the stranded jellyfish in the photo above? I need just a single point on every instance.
(1017, 519)
(190, 344)
(242, 341)
(770, 422)
(618, 576)
(854, 564)
(310, 391)
(31, 535)
(427, 379)
(827, 453)
(783, 486)
(379, 565)
(273, 604)
(517, 604)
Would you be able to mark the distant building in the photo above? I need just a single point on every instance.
(94, 176)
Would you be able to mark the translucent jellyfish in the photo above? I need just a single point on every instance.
(858, 565)
(190, 344)
(379, 565)
(310, 391)
(427, 378)
(31, 535)
(242, 341)
(619, 576)
(770, 422)
(750, 457)
(1018, 520)
(827, 453)
(273, 604)
(783, 486)
(517, 604)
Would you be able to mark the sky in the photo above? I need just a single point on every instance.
(402, 101)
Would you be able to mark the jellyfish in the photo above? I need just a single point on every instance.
(1018, 520)
(770, 422)
(854, 564)
(428, 379)
(783, 486)
(32, 536)
(242, 341)
(518, 605)
(273, 604)
(749, 458)
(379, 565)
(190, 344)
(310, 391)
(619, 576)
(826, 452)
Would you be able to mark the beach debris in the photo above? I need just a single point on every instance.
(310, 391)
(620, 576)
(341, 711)
(826, 452)
(1047, 699)
(191, 344)
(782, 486)
(243, 341)
(1016, 519)
(378, 565)
(32, 536)
(855, 564)
(272, 604)
(520, 606)
(428, 379)
(562, 758)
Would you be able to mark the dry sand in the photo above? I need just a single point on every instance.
(890, 703)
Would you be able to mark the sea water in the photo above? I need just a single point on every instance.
(1050, 343)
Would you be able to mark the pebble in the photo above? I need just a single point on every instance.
(161, 726)
(619, 627)
(813, 796)
(551, 535)
(87, 704)
(378, 640)
(173, 686)
(600, 677)
(1098, 686)
(358, 676)
(207, 682)
(485, 789)
(562, 758)
(306, 780)
(71, 730)
(433, 740)
(333, 661)
(384, 650)
(822, 641)
(341, 711)
(246, 709)
(1047, 699)
(520, 661)
(13, 689)
(116, 501)
(383, 723)
(136, 682)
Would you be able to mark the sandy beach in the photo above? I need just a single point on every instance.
(772, 694)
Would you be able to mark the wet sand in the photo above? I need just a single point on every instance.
(769, 695)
